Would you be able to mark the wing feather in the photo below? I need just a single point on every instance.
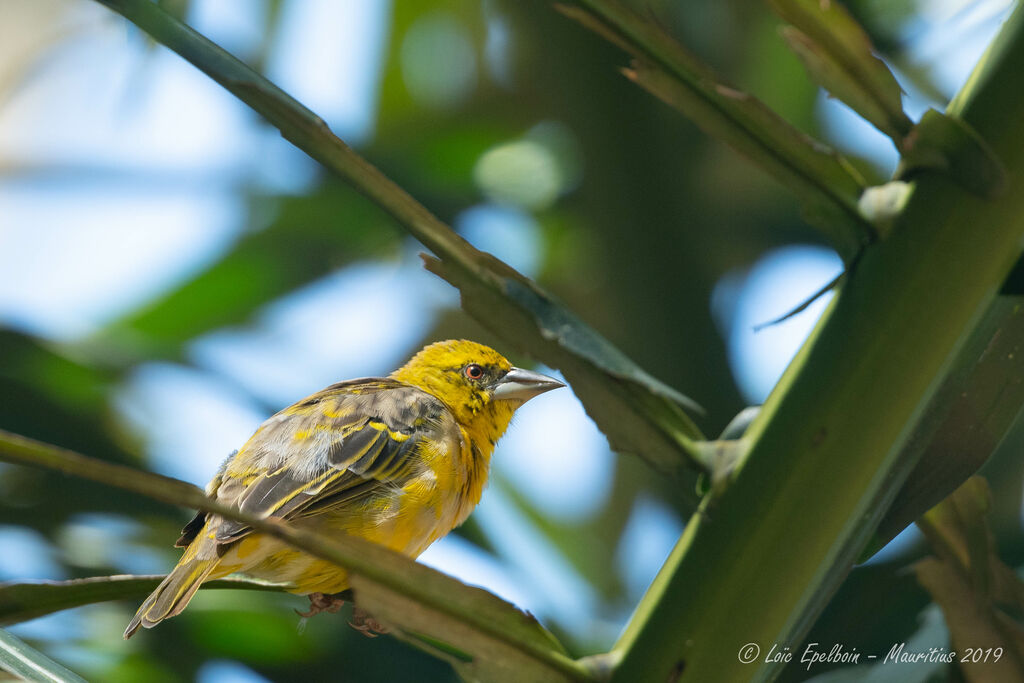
(349, 441)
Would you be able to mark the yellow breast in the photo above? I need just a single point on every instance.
(407, 519)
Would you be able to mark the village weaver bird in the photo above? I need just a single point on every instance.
(400, 460)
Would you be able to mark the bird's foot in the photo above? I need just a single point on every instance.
(322, 602)
(367, 625)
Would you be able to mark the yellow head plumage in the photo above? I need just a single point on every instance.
(480, 387)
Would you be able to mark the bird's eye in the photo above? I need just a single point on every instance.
(474, 371)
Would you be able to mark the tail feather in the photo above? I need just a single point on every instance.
(172, 595)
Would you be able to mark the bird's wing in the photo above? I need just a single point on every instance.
(350, 440)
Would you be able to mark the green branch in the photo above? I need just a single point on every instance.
(827, 453)
(373, 567)
(24, 601)
(30, 664)
(638, 413)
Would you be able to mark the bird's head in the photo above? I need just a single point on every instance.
(479, 386)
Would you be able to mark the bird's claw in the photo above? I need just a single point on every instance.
(367, 625)
(321, 602)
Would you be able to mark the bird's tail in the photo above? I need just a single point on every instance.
(173, 593)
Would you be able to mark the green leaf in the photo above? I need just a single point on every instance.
(838, 54)
(826, 184)
(21, 660)
(32, 362)
(29, 600)
(967, 419)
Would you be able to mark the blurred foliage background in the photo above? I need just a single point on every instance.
(172, 272)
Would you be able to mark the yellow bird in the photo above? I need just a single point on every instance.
(400, 461)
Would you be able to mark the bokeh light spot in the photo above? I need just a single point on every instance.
(521, 173)
(438, 61)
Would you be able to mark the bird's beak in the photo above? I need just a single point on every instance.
(522, 385)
